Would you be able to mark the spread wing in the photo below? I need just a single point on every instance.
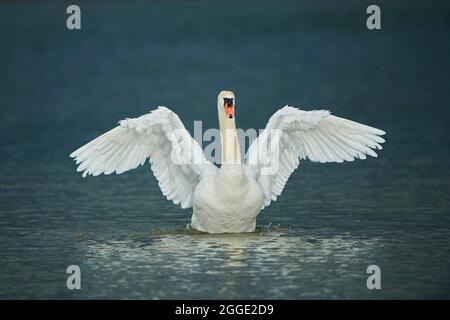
(177, 161)
(292, 135)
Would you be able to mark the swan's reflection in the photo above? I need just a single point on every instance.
(229, 263)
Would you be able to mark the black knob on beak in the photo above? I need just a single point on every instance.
(228, 102)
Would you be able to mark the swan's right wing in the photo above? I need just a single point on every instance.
(292, 135)
(176, 158)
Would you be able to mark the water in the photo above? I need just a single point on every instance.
(59, 89)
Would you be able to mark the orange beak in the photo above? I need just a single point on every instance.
(229, 109)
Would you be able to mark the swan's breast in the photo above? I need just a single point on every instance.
(227, 204)
(228, 193)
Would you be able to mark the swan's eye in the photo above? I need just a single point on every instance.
(228, 102)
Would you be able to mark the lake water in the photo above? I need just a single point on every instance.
(61, 88)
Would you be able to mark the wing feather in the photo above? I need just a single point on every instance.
(315, 135)
(176, 159)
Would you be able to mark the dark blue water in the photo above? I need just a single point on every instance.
(60, 88)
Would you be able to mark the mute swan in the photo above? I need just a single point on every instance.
(226, 200)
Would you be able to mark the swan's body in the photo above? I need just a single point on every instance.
(228, 199)
(227, 202)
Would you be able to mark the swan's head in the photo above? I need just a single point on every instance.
(225, 103)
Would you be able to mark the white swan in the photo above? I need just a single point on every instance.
(228, 199)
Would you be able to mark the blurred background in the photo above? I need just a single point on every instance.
(61, 88)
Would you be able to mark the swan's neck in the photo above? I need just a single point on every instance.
(230, 144)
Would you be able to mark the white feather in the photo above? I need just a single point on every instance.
(315, 135)
(149, 137)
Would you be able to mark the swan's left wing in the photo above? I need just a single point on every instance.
(292, 135)
(176, 158)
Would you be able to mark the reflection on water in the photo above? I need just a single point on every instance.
(263, 264)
